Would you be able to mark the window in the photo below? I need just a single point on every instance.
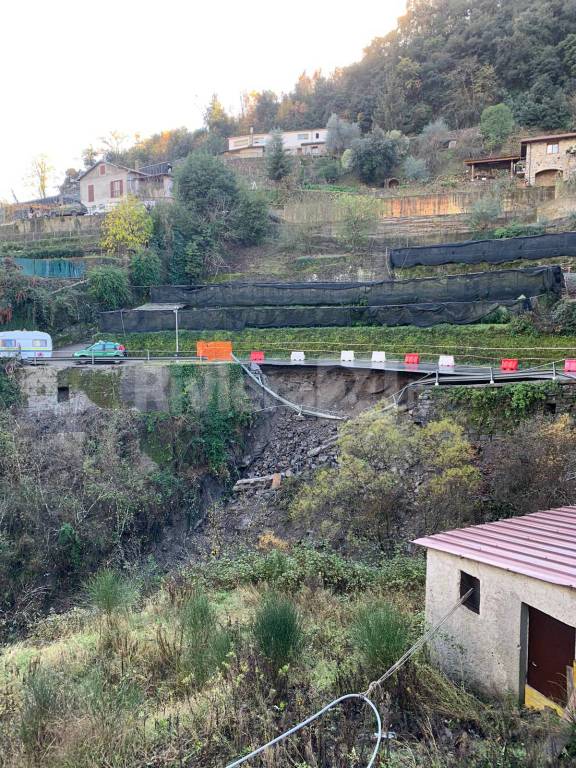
(39, 343)
(302, 137)
(102, 170)
(552, 149)
(90, 193)
(468, 582)
(317, 135)
(116, 188)
(63, 394)
(8, 343)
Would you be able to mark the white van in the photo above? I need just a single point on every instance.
(25, 344)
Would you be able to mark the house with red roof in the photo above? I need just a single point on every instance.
(516, 632)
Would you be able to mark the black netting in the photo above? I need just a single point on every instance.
(489, 251)
(481, 286)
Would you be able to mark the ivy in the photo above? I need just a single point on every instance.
(9, 389)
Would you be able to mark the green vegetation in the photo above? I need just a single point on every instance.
(496, 125)
(9, 389)
(469, 343)
(183, 678)
(109, 287)
(127, 227)
(278, 161)
(278, 629)
(374, 156)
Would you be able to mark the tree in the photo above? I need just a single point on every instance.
(145, 268)
(374, 157)
(496, 124)
(216, 119)
(113, 145)
(40, 175)
(108, 287)
(278, 162)
(205, 186)
(340, 134)
(415, 169)
(127, 227)
(89, 156)
(393, 479)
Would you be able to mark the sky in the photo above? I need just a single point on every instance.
(73, 72)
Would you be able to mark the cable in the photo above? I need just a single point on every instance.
(362, 696)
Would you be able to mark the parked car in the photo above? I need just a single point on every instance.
(101, 351)
(70, 209)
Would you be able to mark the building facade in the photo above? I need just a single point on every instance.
(304, 142)
(105, 184)
(516, 633)
(549, 159)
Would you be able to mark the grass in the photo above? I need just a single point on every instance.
(73, 703)
(469, 344)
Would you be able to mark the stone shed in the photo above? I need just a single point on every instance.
(516, 633)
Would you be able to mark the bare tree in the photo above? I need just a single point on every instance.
(40, 175)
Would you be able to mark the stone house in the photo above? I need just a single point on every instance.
(549, 158)
(516, 633)
(304, 142)
(106, 184)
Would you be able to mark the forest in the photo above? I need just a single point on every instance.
(445, 59)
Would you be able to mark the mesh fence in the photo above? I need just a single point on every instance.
(490, 251)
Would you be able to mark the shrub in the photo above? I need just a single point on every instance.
(328, 169)
(110, 592)
(517, 229)
(109, 287)
(340, 134)
(250, 220)
(358, 220)
(380, 634)
(145, 268)
(374, 156)
(415, 169)
(564, 317)
(278, 629)
(484, 212)
(43, 701)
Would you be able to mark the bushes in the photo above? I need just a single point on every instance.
(127, 227)
(484, 212)
(380, 634)
(563, 317)
(278, 630)
(110, 592)
(109, 287)
(358, 216)
(517, 229)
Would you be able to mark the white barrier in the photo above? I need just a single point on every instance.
(347, 356)
(378, 357)
(446, 361)
(297, 357)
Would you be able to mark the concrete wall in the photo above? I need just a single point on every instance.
(30, 230)
(538, 159)
(487, 649)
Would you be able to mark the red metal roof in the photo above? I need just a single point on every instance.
(541, 545)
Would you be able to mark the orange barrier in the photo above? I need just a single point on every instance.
(256, 357)
(569, 366)
(412, 358)
(214, 350)
(509, 364)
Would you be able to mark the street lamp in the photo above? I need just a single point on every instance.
(177, 343)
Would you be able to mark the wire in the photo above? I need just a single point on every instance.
(362, 696)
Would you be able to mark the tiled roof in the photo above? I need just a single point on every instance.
(541, 545)
(549, 136)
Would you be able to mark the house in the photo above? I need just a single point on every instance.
(304, 142)
(549, 158)
(541, 161)
(105, 184)
(516, 631)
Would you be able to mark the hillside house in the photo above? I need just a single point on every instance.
(516, 632)
(105, 184)
(541, 161)
(304, 142)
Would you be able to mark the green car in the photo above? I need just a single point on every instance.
(102, 351)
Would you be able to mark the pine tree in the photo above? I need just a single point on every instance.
(278, 162)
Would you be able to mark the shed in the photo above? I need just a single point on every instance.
(516, 633)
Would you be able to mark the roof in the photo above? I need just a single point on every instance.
(541, 545)
(547, 137)
(106, 162)
(486, 160)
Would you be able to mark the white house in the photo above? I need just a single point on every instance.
(105, 184)
(304, 142)
(516, 632)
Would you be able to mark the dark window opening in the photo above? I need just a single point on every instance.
(468, 582)
(63, 394)
(550, 408)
